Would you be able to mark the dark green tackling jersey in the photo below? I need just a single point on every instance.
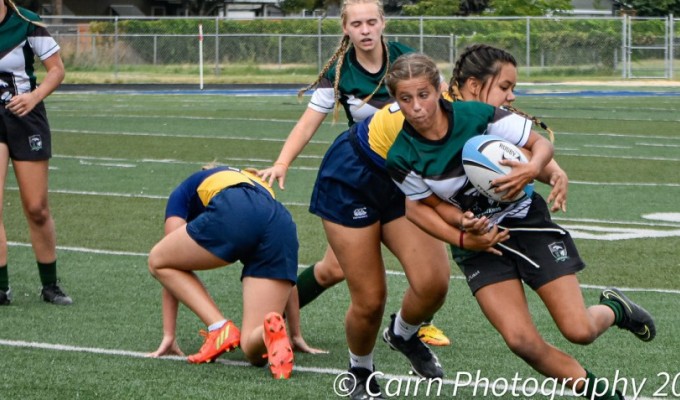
(422, 167)
(355, 85)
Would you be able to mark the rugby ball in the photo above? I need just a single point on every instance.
(481, 156)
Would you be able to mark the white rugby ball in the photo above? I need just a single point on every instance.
(481, 156)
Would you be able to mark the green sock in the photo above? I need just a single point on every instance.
(601, 387)
(48, 273)
(308, 288)
(4, 278)
(616, 307)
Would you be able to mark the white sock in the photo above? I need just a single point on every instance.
(361, 361)
(217, 325)
(404, 329)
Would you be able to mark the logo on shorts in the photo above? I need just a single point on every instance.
(360, 213)
(559, 251)
(5, 98)
(35, 141)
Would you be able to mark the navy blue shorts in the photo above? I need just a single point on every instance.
(353, 192)
(538, 251)
(28, 138)
(245, 223)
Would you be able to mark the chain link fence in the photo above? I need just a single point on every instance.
(610, 48)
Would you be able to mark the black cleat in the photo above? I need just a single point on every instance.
(635, 319)
(423, 362)
(5, 297)
(360, 385)
(53, 294)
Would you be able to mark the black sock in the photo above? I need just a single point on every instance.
(48, 273)
(4, 278)
(308, 288)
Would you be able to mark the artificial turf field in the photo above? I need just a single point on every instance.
(118, 154)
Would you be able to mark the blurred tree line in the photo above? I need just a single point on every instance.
(642, 8)
(646, 8)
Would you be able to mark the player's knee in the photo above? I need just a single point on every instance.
(369, 309)
(579, 334)
(253, 357)
(430, 292)
(37, 213)
(526, 346)
(328, 274)
(154, 263)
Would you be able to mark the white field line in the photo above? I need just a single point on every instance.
(622, 157)
(300, 204)
(178, 135)
(621, 135)
(178, 117)
(402, 379)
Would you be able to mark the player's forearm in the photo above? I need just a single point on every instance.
(427, 219)
(53, 78)
(169, 309)
(301, 134)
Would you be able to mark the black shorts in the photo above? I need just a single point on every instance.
(28, 138)
(352, 192)
(538, 251)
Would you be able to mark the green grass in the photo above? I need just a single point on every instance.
(117, 156)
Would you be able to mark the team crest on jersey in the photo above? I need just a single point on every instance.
(559, 251)
(35, 141)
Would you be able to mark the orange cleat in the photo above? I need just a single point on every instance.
(217, 342)
(430, 334)
(279, 351)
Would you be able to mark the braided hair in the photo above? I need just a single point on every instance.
(484, 62)
(339, 56)
(409, 66)
(14, 7)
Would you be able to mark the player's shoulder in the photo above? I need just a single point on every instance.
(388, 120)
(472, 105)
(396, 49)
(30, 15)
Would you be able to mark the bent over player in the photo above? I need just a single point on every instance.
(214, 218)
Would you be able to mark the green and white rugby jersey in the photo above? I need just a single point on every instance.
(355, 85)
(20, 43)
(422, 167)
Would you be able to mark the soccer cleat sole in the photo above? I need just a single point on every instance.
(279, 351)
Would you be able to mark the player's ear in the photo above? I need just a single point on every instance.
(473, 86)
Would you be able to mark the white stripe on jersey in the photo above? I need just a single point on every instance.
(323, 101)
(513, 128)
